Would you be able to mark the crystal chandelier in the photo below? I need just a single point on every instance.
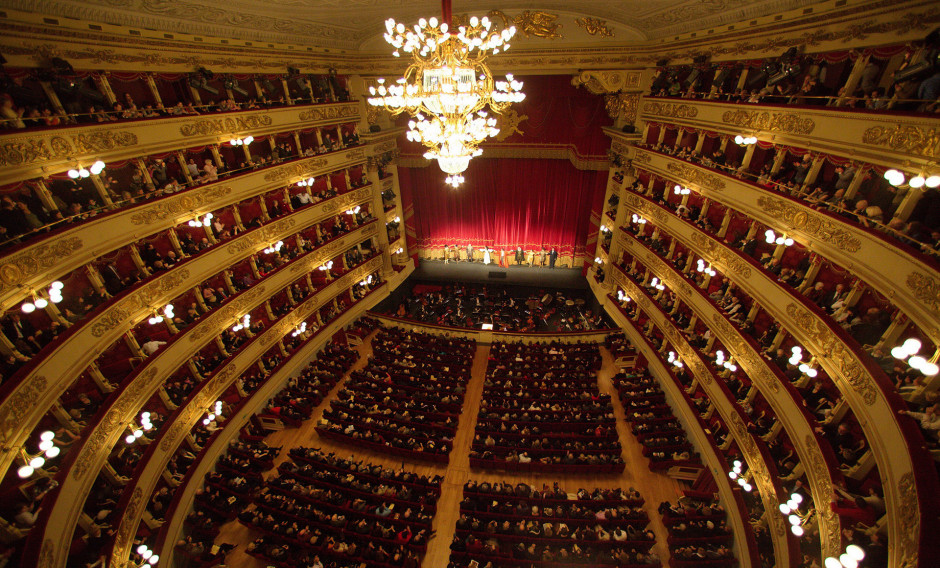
(448, 87)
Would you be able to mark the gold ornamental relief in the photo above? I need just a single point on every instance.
(509, 122)
(125, 533)
(227, 314)
(925, 288)
(622, 105)
(13, 414)
(819, 226)
(46, 554)
(20, 268)
(829, 521)
(265, 234)
(721, 255)
(595, 27)
(227, 125)
(143, 299)
(696, 176)
(23, 151)
(670, 110)
(909, 520)
(785, 122)
(531, 24)
(329, 113)
(179, 205)
(905, 138)
(298, 171)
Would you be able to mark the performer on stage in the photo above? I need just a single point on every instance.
(520, 256)
(502, 257)
(469, 252)
(552, 257)
(486, 255)
(542, 254)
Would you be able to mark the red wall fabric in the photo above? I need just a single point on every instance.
(506, 203)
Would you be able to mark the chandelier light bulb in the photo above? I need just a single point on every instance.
(73, 174)
(45, 445)
(129, 439)
(52, 452)
(916, 362)
(47, 435)
(848, 561)
(831, 562)
(25, 471)
(917, 182)
(932, 181)
(785, 509)
(796, 530)
(747, 487)
(153, 559)
(147, 554)
(83, 173)
(912, 345)
(37, 462)
(855, 551)
(41, 303)
(57, 285)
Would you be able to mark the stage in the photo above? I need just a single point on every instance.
(479, 273)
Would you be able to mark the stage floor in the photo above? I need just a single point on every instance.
(479, 273)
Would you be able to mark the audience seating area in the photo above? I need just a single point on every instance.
(322, 507)
(698, 535)
(542, 410)
(653, 423)
(372, 410)
(519, 526)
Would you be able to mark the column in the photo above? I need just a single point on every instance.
(154, 91)
(101, 81)
(286, 91)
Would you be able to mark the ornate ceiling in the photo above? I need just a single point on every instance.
(357, 24)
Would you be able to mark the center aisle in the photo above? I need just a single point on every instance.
(654, 487)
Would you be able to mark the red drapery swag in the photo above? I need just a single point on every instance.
(506, 203)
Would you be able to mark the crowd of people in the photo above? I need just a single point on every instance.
(542, 410)
(502, 524)
(505, 308)
(698, 533)
(653, 422)
(371, 410)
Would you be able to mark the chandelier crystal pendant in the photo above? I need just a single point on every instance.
(448, 87)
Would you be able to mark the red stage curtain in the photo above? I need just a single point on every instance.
(506, 203)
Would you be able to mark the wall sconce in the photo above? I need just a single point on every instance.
(791, 510)
(739, 477)
(773, 238)
(354, 210)
(897, 178)
(157, 318)
(400, 250)
(638, 219)
(605, 229)
(745, 140)
(726, 363)
(81, 172)
(598, 260)
(47, 449)
(679, 190)
(796, 360)
(150, 559)
(655, 283)
(850, 559)
(674, 359)
(306, 182)
(137, 433)
(908, 350)
(55, 296)
(299, 330)
(274, 248)
(204, 222)
(622, 297)
(707, 269)
(326, 266)
(246, 141)
(243, 323)
(214, 411)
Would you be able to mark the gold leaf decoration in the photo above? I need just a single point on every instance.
(295, 170)
(120, 313)
(807, 221)
(179, 204)
(696, 176)
(19, 268)
(670, 110)
(13, 414)
(595, 27)
(909, 510)
(509, 124)
(829, 521)
(905, 138)
(227, 125)
(785, 122)
(538, 24)
(925, 288)
(329, 112)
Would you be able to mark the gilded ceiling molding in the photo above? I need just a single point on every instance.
(114, 421)
(606, 81)
(786, 122)
(17, 269)
(670, 110)
(532, 23)
(814, 224)
(37, 149)
(595, 27)
(227, 125)
(830, 346)
(696, 176)
(905, 138)
(179, 205)
(330, 112)
(142, 299)
(926, 288)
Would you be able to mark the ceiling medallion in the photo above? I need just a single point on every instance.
(448, 87)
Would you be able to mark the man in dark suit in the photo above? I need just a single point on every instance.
(520, 256)
(552, 257)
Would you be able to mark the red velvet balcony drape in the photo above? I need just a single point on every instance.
(506, 203)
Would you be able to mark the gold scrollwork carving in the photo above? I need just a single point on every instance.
(829, 520)
(848, 365)
(178, 205)
(534, 24)
(509, 122)
(265, 234)
(595, 27)
(30, 151)
(227, 125)
(905, 138)
(329, 113)
(227, 314)
(622, 105)
(721, 256)
(14, 412)
(670, 110)
(785, 122)
(125, 533)
(801, 219)
(141, 300)
(910, 522)
(30, 263)
(298, 170)
(925, 288)
(696, 176)
(116, 419)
